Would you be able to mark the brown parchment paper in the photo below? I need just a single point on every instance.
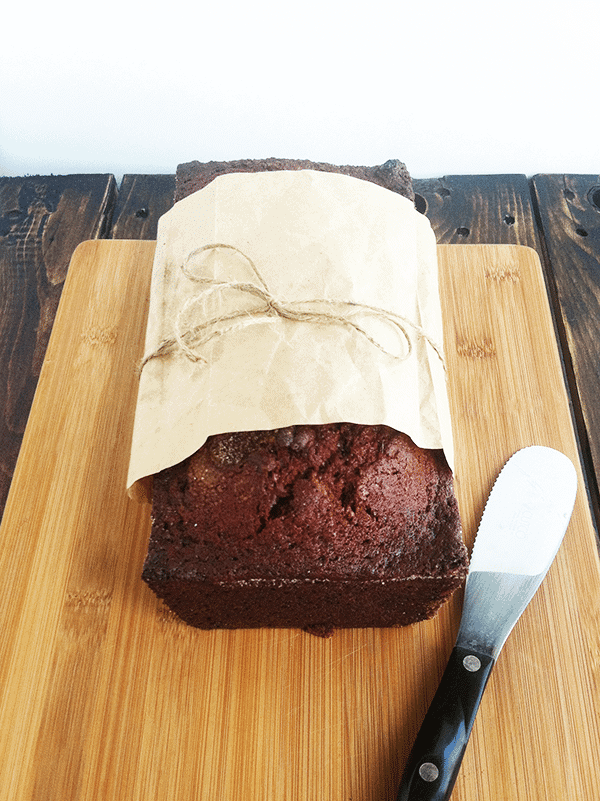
(299, 235)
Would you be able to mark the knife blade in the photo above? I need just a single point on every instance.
(522, 527)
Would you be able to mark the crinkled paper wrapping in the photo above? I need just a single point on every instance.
(309, 235)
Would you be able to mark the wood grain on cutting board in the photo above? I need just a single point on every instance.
(105, 695)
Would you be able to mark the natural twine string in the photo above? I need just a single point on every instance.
(190, 340)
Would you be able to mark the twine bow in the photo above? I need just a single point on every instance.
(337, 312)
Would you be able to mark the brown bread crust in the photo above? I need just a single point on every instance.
(314, 512)
(195, 175)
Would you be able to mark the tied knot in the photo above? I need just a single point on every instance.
(191, 338)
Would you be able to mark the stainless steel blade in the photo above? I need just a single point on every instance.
(521, 530)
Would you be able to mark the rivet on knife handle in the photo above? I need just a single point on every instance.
(435, 759)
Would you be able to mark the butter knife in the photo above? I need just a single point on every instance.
(523, 524)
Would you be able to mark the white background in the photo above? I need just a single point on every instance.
(469, 87)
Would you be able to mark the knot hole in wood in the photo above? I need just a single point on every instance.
(594, 197)
(420, 204)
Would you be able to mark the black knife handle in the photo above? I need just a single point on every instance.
(438, 750)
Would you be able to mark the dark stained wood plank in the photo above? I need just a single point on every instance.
(142, 200)
(478, 209)
(568, 208)
(42, 220)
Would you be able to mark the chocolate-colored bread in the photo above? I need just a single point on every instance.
(196, 175)
(314, 527)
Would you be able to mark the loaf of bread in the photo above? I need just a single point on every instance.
(315, 527)
(195, 175)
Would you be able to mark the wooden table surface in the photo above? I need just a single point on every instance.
(44, 218)
(42, 221)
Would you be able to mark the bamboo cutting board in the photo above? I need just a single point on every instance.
(104, 695)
